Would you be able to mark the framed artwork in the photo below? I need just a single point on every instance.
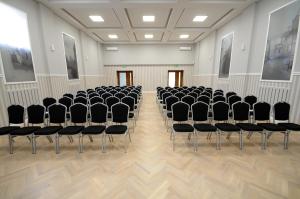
(70, 56)
(225, 56)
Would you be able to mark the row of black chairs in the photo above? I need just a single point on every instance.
(52, 120)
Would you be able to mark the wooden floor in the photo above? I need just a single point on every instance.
(151, 169)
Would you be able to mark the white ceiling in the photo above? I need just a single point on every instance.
(125, 18)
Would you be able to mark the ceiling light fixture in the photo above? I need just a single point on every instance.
(96, 18)
(113, 36)
(199, 18)
(184, 36)
(148, 18)
(148, 36)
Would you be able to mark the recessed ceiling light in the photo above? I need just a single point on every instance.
(96, 18)
(148, 18)
(199, 18)
(113, 36)
(148, 36)
(184, 36)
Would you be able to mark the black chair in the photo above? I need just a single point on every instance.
(91, 95)
(81, 100)
(200, 112)
(193, 94)
(83, 92)
(36, 116)
(163, 102)
(15, 117)
(67, 102)
(57, 116)
(169, 102)
(78, 113)
(81, 95)
(229, 94)
(113, 92)
(218, 98)
(282, 117)
(120, 95)
(190, 101)
(124, 92)
(129, 101)
(203, 98)
(221, 117)
(180, 117)
(97, 123)
(261, 111)
(101, 92)
(241, 116)
(47, 102)
(206, 94)
(120, 114)
(251, 100)
(136, 102)
(174, 91)
(198, 91)
(69, 95)
(180, 95)
(95, 100)
(185, 91)
(104, 96)
(218, 94)
(110, 101)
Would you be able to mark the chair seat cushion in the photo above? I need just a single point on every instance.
(272, 127)
(71, 130)
(183, 128)
(7, 129)
(24, 131)
(227, 127)
(116, 129)
(205, 127)
(290, 126)
(93, 130)
(49, 130)
(249, 127)
(169, 115)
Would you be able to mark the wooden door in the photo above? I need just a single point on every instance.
(125, 78)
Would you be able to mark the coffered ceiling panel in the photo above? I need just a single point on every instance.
(82, 16)
(104, 35)
(141, 34)
(192, 35)
(161, 15)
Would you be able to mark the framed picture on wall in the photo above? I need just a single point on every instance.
(15, 48)
(225, 55)
(281, 43)
(70, 56)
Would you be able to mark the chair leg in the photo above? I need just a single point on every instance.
(195, 141)
(102, 139)
(91, 138)
(125, 142)
(57, 144)
(263, 140)
(49, 139)
(129, 136)
(11, 142)
(33, 144)
(218, 140)
(80, 139)
(173, 138)
(241, 140)
(104, 145)
(70, 138)
(249, 135)
(286, 139)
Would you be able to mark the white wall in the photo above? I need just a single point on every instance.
(250, 29)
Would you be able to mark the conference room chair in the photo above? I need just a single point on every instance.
(97, 123)
(180, 121)
(113, 92)
(78, 119)
(220, 112)
(281, 112)
(120, 95)
(186, 91)
(124, 92)
(206, 94)
(200, 119)
(101, 92)
(110, 101)
(251, 100)
(180, 95)
(47, 102)
(95, 100)
(69, 95)
(105, 95)
(81, 100)
(57, 114)
(229, 94)
(204, 98)
(193, 94)
(218, 98)
(91, 95)
(262, 111)
(190, 100)
(119, 126)
(174, 91)
(81, 95)
(198, 91)
(168, 114)
(163, 102)
(35, 119)
(241, 117)
(129, 101)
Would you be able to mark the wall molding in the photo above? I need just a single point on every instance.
(147, 65)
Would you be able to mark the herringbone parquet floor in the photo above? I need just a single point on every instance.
(151, 169)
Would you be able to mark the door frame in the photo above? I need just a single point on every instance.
(118, 76)
(182, 74)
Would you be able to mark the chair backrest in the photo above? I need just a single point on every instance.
(170, 101)
(200, 111)
(120, 113)
(185, 91)
(174, 91)
(251, 100)
(180, 111)
(189, 100)
(78, 113)
(220, 111)
(164, 96)
(180, 95)
(81, 92)
(240, 111)
(129, 101)
(229, 94)
(105, 96)
(95, 100)
(217, 93)
(81, 100)
(93, 95)
(282, 111)
(135, 96)
(120, 95)
(36, 114)
(124, 92)
(233, 99)
(99, 112)
(218, 98)
(81, 95)
(206, 94)
(69, 95)
(204, 98)
(261, 111)
(66, 101)
(111, 101)
(57, 113)
(16, 114)
(113, 92)
(48, 101)
(100, 92)
(193, 94)
(198, 91)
